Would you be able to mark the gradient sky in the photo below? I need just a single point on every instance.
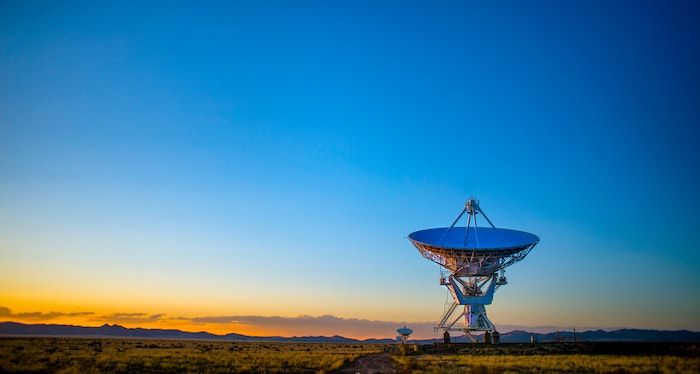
(207, 166)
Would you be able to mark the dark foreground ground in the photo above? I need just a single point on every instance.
(94, 355)
(97, 355)
(598, 357)
(588, 348)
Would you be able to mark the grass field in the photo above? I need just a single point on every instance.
(90, 355)
(570, 363)
(85, 355)
(584, 357)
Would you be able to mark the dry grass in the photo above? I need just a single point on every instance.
(569, 363)
(85, 355)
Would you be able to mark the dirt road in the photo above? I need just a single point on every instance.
(377, 363)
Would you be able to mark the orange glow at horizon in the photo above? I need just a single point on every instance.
(213, 328)
(99, 316)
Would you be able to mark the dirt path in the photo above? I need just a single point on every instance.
(376, 363)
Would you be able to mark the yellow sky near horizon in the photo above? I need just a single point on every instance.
(133, 307)
(278, 326)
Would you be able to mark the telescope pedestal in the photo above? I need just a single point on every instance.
(468, 295)
(476, 318)
(469, 318)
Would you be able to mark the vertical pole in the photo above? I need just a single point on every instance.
(476, 234)
(466, 229)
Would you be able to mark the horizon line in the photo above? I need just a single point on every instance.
(571, 331)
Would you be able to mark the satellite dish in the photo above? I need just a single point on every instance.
(472, 257)
(473, 251)
(404, 333)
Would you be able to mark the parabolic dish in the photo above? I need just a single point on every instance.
(474, 251)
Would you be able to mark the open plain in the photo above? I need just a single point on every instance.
(95, 355)
(586, 357)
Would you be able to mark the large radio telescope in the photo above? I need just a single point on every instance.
(475, 259)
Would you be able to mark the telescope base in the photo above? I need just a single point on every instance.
(468, 319)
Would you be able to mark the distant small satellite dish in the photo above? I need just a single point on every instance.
(404, 333)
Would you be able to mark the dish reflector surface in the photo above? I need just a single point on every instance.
(480, 238)
(479, 251)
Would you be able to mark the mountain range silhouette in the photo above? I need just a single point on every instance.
(515, 336)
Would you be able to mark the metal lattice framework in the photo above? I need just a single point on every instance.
(475, 262)
(473, 257)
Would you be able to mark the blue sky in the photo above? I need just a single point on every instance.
(269, 158)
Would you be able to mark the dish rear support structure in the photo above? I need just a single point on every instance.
(473, 259)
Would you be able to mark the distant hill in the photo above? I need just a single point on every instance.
(623, 335)
(116, 331)
(516, 336)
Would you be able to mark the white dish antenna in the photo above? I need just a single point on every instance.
(474, 259)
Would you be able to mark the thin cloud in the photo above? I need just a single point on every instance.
(319, 325)
(303, 325)
(38, 316)
(126, 315)
(332, 325)
(276, 321)
(130, 318)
